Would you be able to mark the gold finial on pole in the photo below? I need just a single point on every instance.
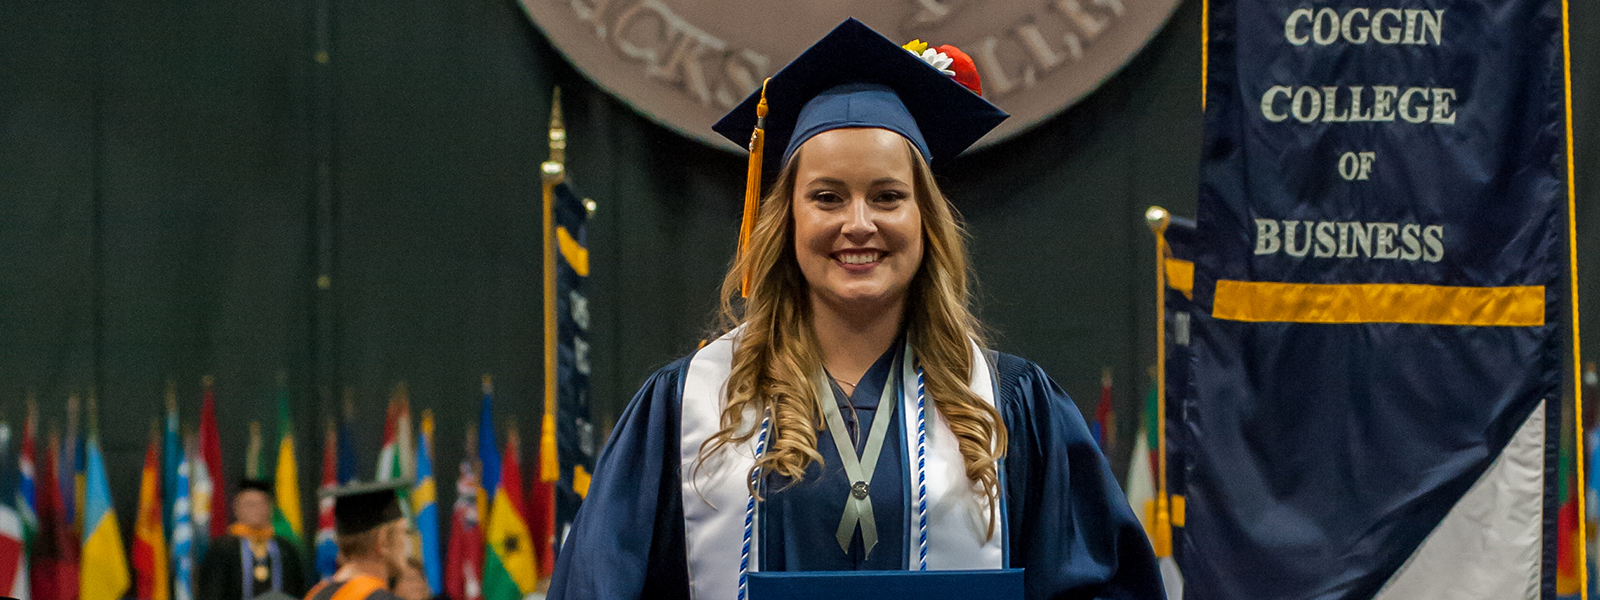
(1157, 218)
(555, 167)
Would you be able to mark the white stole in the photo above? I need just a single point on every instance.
(715, 494)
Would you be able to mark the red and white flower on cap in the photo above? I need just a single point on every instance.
(949, 60)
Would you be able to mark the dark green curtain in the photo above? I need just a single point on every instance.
(165, 213)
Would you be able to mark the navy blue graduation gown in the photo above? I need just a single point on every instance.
(1069, 525)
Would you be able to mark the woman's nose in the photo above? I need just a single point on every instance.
(858, 223)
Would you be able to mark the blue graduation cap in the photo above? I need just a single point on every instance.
(855, 77)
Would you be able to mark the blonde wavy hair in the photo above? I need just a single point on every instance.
(777, 357)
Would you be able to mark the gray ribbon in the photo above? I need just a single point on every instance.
(858, 504)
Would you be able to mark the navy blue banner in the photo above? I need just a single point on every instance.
(575, 429)
(1183, 244)
(1378, 300)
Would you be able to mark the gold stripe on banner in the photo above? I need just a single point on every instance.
(1262, 301)
(1180, 276)
(577, 256)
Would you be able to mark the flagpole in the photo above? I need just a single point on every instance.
(1158, 218)
(554, 173)
(1572, 267)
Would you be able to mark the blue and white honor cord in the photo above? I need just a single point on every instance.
(922, 479)
(750, 507)
(922, 489)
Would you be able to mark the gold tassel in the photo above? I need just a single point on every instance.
(752, 186)
(549, 465)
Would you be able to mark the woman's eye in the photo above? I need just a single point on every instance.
(891, 196)
(826, 197)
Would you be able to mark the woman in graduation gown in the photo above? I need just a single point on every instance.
(850, 327)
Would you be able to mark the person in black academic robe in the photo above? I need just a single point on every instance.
(250, 560)
(655, 525)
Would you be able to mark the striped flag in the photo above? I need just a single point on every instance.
(13, 552)
(391, 457)
(200, 493)
(425, 506)
(464, 570)
(54, 561)
(393, 461)
(1104, 426)
(67, 468)
(509, 572)
(327, 550)
(287, 520)
(27, 494)
(210, 499)
(149, 541)
(404, 437)
(102, 538)
(183, 524)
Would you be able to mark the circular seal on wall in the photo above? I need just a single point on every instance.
(683, 63)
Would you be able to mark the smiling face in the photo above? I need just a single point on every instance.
(857, 227)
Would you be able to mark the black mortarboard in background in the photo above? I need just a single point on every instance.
(362, 507)
(260, 485)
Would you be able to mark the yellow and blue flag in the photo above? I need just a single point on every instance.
(424, 503)
(105, 572)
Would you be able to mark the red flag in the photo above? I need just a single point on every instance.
(463, 570)
(327, 550)
(54, 568)
(511, 472)
(149, 544)
(1105, 419)
(211, 456)
(542, 524)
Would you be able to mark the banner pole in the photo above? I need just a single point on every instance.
(554, 173)
(1205, 50)
(1572, 268)
(1158, 218)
